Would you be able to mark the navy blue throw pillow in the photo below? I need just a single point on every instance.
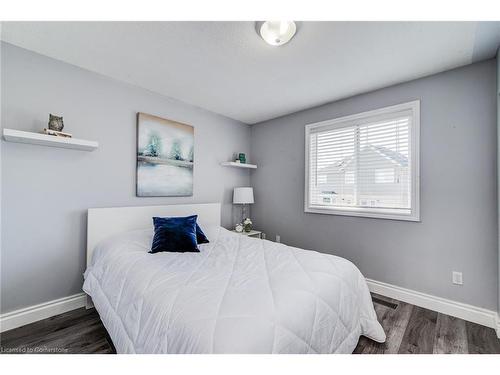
(200, 236)
(174, 234)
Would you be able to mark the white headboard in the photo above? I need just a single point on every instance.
(106, 222)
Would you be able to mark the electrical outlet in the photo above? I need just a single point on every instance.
(278, 238)
(456, 278)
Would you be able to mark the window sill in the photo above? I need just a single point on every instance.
(368, 213)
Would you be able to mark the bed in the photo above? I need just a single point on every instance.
(237, 295)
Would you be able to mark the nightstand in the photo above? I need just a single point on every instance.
(252, 233)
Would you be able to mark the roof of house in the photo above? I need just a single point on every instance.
(394, 156)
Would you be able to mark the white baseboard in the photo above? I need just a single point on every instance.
(45, 310)
(460, 310)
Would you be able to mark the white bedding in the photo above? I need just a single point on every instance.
(238, 295)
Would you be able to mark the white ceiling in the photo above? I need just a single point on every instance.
(226, 68)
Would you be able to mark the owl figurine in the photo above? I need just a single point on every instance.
(55, 123)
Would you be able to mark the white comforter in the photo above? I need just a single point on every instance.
(238, 295)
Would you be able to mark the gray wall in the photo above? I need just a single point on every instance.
(458, 228)
(46, 191)
(498, 164)
(0, 164)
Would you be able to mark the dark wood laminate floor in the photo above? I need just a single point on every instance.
(414, 330)
(409, 329)
(77, 331)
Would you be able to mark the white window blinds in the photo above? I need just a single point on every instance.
(365, 164)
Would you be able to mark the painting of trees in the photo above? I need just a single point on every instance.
(165, 156)
(175, 151)
(191, 154)
(154, 146)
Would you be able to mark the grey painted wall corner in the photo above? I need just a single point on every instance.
(498, 168)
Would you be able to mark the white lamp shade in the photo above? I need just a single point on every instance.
(243, 195)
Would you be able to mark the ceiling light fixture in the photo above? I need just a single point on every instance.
(277, 33)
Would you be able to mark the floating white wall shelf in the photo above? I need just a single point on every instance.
(238, 165)
(11, 135)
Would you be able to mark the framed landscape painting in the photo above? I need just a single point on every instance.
(165, 157)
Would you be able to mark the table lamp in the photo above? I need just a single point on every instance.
(244, 196)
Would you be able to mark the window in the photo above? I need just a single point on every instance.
(365, 164)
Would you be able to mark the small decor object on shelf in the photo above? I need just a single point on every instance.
(55, 122)
(56, 133)
(242, 158)
(238, 228)
(247, 223)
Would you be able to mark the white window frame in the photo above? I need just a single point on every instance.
(371, 212)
